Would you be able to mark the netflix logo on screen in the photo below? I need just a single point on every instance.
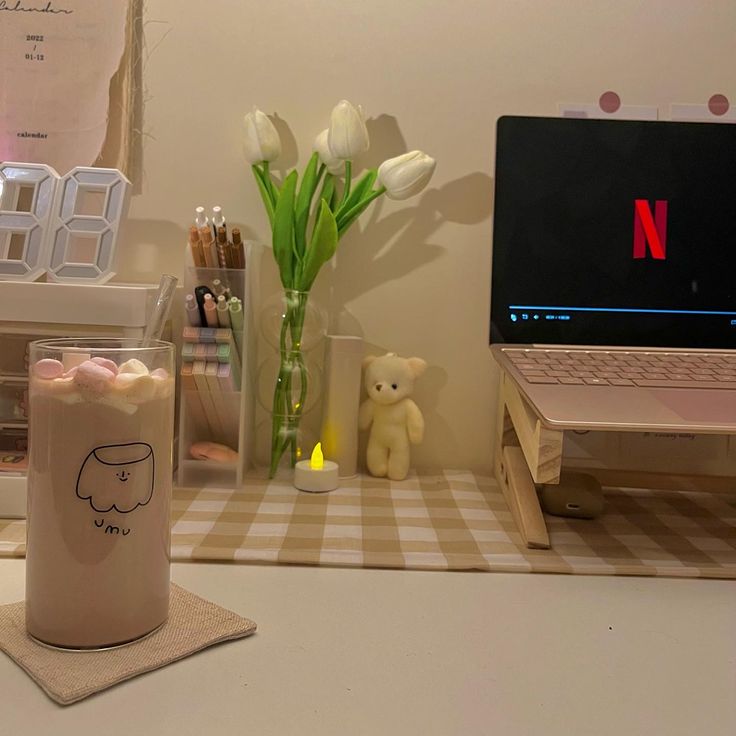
(650, 229)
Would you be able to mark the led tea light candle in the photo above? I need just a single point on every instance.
(316, 474)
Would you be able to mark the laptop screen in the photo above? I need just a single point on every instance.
(613, 232)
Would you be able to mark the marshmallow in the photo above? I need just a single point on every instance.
(100, 379)
(48, 368)
(132, 387)
(53, 387)
(119, 404)
(111, 365)
(93, 377)
(163, 382)
(134, 366)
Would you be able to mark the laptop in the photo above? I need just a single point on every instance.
(613, 301)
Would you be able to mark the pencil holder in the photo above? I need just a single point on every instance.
(215, 406)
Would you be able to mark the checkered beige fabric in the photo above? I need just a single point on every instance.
(451, 521)
(12, 537)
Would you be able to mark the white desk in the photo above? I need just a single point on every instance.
(350, 652)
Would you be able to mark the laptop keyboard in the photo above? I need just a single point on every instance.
(625, 368)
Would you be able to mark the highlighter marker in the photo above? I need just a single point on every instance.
(190, 334)
(192, 310)
(236, 320)
(210, 310)
(223, 353)
(199, 293)
(223, 312)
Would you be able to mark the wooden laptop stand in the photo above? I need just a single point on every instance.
(528, 452)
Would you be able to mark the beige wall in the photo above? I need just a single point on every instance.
(432, 75)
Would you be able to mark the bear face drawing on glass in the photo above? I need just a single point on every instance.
(117, 477)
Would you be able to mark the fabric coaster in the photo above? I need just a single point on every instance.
(67, 677)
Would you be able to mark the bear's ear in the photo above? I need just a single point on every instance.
(368, 360)
(417, 366)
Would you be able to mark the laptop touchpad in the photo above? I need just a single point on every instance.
(701, 405)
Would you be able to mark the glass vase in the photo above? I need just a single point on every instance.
(295, 441)
(299, 376)
(280, 314)
(292, 325)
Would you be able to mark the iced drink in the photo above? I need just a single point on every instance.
(99, 488)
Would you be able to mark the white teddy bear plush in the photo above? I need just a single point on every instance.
(396, 419)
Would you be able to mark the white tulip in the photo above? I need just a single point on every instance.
(334, 165)
(347, 136)
(262, 142)
(406, 175)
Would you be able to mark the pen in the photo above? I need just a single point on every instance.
(223, 313)
(239, 254)
(229, 255)
(192, 310)
(236, 320)
(218, 288)
(208, 244)
(221, 246)
(195, 246)
(200, 219)
(218, 220)
(199, 293)
(210, 310)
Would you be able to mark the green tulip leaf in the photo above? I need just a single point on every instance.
(328, 190)
(360, 190)
(310, 180)
(273, 187)
(322, 246)
(349, 217)
(283, 231)
(348, 181)
(265, 191)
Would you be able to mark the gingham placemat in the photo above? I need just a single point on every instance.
(454, 520)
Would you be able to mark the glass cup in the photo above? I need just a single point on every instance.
(99, 489)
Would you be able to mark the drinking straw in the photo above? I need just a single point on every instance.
(155, 326)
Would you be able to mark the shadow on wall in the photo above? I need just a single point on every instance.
(146, 247)
(379, 249)
(151, 246)
(382, 249)
(289, 157)
(385, 249)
